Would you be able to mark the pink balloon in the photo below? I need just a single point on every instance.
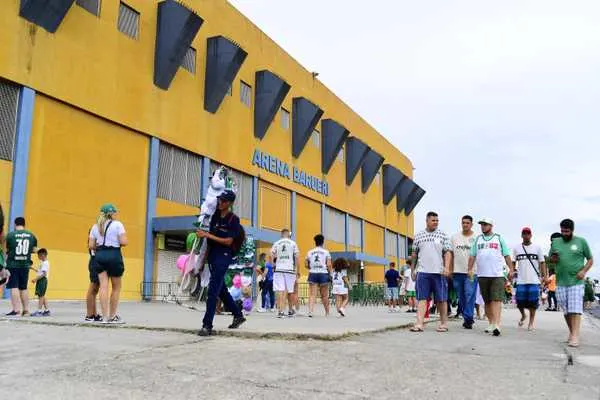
(237, 280)
(181, 261)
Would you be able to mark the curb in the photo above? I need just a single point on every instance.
(226, 333)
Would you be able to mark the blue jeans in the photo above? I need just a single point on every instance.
(268, 295)
(466, 291)
(216, 288)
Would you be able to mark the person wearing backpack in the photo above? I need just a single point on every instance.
(531, 272)
(224, 241)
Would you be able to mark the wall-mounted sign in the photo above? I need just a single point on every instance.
(276, 166)
(175, 243)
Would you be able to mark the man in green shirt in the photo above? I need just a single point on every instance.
(20, 245)
(573, 259)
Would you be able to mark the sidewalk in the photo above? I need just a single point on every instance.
(177, 318)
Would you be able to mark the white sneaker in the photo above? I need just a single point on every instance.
(489, 329)
(261, 310)
(397, 309)
(390, 310)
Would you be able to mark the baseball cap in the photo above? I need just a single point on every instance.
(486, 220)
(227, 195)
(108, 208)
(526, 230)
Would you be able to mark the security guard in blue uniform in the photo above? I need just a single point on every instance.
(224, 227)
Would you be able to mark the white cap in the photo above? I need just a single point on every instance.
(486, 220)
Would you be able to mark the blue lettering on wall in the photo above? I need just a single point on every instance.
(276, 166)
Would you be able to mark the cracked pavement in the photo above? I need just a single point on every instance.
(72, 362)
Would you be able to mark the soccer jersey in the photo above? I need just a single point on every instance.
(20, 245)
(461, 247)
(317, 259)
(489, 252)
(284, 253)
(430, 248)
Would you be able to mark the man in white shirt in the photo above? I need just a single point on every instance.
(466, 288)
(492, 254)
(431, 268)
(531, 271)
(284, 257)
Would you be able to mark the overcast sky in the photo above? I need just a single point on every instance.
(495, 102)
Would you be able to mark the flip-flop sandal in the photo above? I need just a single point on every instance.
(573, 344)
(521, 323)
(442, 329)
(416, 329)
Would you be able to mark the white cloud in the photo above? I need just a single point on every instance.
(496, 103)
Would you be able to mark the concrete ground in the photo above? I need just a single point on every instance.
(58, 359)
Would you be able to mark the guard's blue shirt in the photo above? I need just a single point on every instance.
(222, 227)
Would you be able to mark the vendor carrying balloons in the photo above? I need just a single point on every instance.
(224, 227)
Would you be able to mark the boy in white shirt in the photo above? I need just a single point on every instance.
(41, 284)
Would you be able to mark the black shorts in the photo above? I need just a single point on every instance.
(93, 272)
(19, 277)
(41, 286)
(109, 260)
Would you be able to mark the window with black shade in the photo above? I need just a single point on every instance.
(129, 21)
(179, 175)
(246, 94)
(189, 60)
(285, 119)
(9, 98)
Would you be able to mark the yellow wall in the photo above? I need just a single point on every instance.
(308, 222)
(374, 273)
(374, 239)
(274, 207)
(166, 208)
(5, 184)
(78, 162)
(113, 78)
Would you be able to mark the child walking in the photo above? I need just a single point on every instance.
(340, 285)
(411, 294)
(41, 284)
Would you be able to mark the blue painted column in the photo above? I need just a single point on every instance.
(385, 232)
(323, 216)
(255, 202)
(346, 231)
(254, 223)
(398, 255)
(21, 155)
(362, 249)
(294, 220)
(20, 159)
(150, 214)
(362, 235)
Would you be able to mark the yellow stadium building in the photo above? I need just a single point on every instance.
(135, 102)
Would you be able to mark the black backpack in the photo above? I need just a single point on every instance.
(239, 239)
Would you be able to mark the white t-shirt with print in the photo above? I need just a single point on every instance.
(430, 248)
(338, 278)
(409, 284)
(489, 251)
(284, 253)
(526, 273)
(44, 269)
(115, 230)
(461, 248)
(317, 259)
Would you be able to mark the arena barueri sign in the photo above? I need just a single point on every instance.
(276, 166)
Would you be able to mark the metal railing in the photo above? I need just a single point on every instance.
(360, 294)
